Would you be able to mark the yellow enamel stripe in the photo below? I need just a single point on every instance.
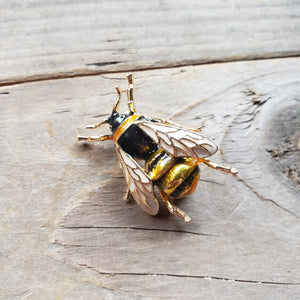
(124, 126)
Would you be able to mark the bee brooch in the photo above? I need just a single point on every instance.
(155, 152)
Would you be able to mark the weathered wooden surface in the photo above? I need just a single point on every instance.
(65, 232)
(71, 236)
(42, 39)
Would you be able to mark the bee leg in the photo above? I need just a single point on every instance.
(215, 166)
(128, 196)
(173, 209)
(174, 124)
(96, 125)
(95, 138)
(130, 93)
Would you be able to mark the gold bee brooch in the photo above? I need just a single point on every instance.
(171, 154)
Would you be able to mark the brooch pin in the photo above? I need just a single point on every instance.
(171, 154)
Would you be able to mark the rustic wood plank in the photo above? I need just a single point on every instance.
(51, 39)
(261, 129)
(62, 200)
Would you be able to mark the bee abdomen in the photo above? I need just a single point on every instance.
(189, 185)
(158, 164)
(181, 179)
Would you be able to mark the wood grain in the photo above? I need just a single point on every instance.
(71, 234)
(51, 39)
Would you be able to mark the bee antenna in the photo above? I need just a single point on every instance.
(130, 93)
(117, 105)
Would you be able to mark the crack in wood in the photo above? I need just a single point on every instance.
(266, 199)
(263, 198)
(211, 181)
(100, 115)
(101, 64)
(91, 72)
(62, 111)
(206, 277)
(137, 228)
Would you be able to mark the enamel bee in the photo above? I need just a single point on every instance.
(155, 152)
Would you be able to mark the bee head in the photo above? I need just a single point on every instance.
(116, 119)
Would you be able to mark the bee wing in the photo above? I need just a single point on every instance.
(178, 141)
(139, 184)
